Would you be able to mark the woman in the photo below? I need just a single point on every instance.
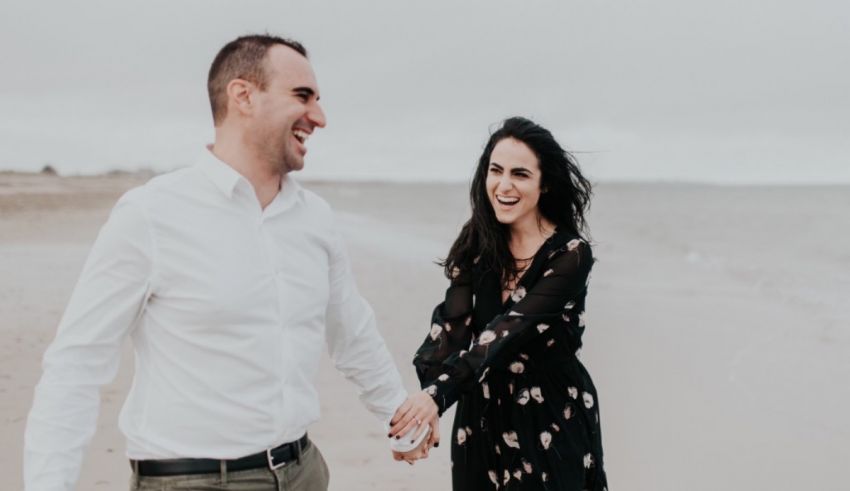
(504, 342)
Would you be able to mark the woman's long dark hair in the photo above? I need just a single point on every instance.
(563, 201)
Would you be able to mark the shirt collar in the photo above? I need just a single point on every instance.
(226, 178)
(290, 193)
(222, 175)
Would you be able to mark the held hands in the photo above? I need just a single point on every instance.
(411, 456)
(418, 410)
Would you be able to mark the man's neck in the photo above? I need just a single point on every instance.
(263, 179)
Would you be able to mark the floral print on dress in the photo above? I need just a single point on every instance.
(493, 478)
(486, 337)
(461, 436)
(545, 439)
(523, 397)
(511, 439)
(588, 399)
(568, 412)
(518, 294)
(537, 394)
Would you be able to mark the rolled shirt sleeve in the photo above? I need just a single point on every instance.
(106, 302)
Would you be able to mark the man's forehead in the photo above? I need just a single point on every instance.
(290, 66)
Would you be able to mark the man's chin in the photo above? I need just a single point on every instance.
(291, 165)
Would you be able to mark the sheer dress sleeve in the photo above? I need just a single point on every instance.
(450, 329)
(564, 279)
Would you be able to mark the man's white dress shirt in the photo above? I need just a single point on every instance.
(228, 306)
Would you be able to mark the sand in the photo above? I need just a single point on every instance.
(718, 334)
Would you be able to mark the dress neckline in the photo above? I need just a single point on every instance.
(542, 251)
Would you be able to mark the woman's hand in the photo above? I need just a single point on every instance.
(418, 410)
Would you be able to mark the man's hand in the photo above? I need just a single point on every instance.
(417, 409)
(411, 456)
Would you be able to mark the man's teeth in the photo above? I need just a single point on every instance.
(505, 200)
(301, 136)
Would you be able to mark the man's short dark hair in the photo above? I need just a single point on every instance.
(242, 58)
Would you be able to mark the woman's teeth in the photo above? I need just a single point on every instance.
(506, 200)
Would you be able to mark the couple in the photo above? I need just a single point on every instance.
(229, 277)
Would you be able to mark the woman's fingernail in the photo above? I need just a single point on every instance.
(436, 444)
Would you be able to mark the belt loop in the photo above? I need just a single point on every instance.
(223, 471)
(298, 455)
(136, 477)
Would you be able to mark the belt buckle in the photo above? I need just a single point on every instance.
(270, 460)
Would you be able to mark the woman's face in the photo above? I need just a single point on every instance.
(513, 183)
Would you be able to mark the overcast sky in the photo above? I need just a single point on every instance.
(719, 91)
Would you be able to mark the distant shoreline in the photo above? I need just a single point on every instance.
(369, 181)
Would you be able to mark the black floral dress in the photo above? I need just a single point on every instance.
(528, 414)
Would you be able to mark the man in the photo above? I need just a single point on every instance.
(229, 277)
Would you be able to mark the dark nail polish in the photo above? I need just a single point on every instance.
(389, 435)
(436, 444)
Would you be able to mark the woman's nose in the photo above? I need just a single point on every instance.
(505, 183)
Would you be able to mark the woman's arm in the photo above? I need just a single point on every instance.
(564, 279)
(450, 329)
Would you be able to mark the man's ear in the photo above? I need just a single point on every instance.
(240, 96)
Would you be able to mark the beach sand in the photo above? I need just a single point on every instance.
(718, 332)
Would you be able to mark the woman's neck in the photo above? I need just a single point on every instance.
(528, 236)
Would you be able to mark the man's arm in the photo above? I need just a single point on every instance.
(106, 302)
(354, 343)
(359, 351)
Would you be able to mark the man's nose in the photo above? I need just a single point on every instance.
(317, 116)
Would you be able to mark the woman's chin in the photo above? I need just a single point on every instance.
(505, 220)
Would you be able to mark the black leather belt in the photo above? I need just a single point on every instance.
(274, 458)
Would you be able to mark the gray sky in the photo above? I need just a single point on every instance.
(721, 91)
